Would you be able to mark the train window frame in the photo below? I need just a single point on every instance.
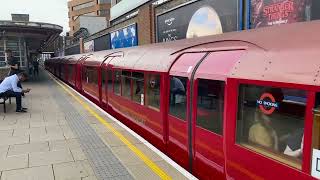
(259, 149)
(157, 90)
(219, 104)
(182, 117)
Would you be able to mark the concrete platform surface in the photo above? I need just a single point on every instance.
(47, 143)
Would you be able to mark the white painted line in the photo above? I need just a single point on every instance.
(149, 145)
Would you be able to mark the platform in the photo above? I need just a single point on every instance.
(65, 137)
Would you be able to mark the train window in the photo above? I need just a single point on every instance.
(109, 77)
(153, 91)
(138, 87)
(271, 122)
(178, 97)
(90, 81)
(126, 84)
(210, 105)
(103, 85)
(117, 80)
(70, 73)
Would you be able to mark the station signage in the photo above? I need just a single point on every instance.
(200, 18)
(276, 12)
(267, 103)
(125, 37)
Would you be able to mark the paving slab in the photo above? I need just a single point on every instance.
(64, 144)
(34, 173)
(14, 162)
(51, 157)
(28, 148)
(12, 140)
(70, 171)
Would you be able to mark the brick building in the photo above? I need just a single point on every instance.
(79, 8)
(142, 22)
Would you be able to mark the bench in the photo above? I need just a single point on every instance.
(4, 71)
(4, 99)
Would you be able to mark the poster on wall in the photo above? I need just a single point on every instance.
(89, 46)
(102, 43)
(277, 12)
(200, 18)
(125, 37)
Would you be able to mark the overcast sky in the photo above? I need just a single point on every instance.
(49, 11)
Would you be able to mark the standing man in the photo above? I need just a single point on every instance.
(9, 87)
(35, 64)
(12, 62)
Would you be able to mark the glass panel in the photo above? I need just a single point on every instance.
(117, 80)
(210, 105)
(178, 98)
(153, 91)
(91, 81)
(71, 75)
(103, 84)
(126, 84)
(138, 87)
(316, 124)
(109, 80)
(271, 122)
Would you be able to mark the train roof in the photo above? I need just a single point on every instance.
(271, 53)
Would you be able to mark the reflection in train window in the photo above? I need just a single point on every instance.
(271, 122)
(178, 97)
(138, 87)
(126, 84)
(153, 91)
(210, 105)
(117, 80)
(109, 77)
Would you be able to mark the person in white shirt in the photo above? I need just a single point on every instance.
(9, 87)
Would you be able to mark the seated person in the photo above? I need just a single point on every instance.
(295, 144)
(262, 132)
(9, 87)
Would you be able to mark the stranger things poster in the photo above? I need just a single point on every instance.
(200, 18)
(277, 12)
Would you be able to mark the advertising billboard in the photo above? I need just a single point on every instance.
(277, 12)
(125, 37)
(102, 43)
(89, 46)
(200, 18)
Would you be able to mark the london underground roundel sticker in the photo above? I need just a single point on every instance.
(267, 103)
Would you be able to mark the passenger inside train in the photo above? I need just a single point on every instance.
(271, 122)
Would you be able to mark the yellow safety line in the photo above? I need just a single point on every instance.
(156, 169)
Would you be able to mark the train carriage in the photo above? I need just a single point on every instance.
(242, 105)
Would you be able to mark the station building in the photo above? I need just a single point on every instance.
(25, 38)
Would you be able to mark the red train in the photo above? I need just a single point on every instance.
(241, 105)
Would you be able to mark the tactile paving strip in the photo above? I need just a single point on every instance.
(102, 160)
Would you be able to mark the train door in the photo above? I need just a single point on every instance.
(207, 112)
(106, 81)
(178, 141)
(268, 130)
